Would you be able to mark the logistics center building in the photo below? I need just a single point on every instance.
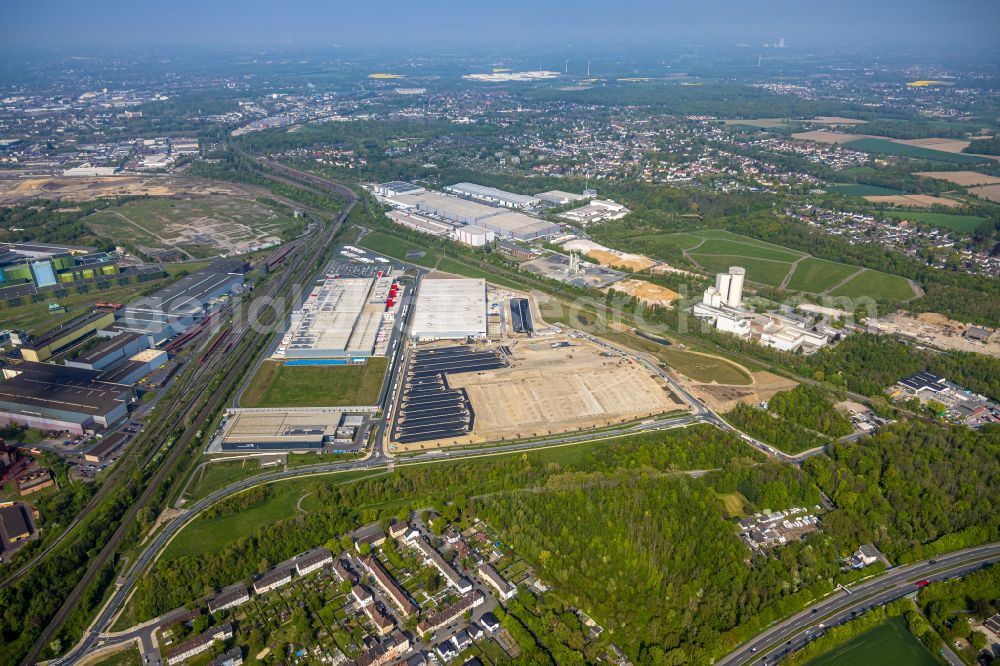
(450, 310)
(341, 319)
(503, 222)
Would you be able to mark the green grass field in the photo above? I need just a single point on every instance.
(858, 190)
(218, 475)
(742, 248)
(205, 536)
(279, 385)
(890, 644)
(886, 147)
(761, 271)
(961, 223)
(127, 657)
(449, 265)
(876, 285)
(682, 240)
(814, 274)
(391, 246)
(703, 368)
(768, 264)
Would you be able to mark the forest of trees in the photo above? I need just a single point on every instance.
(913, 489)
(785, 436)
(621, 530)
(990, 146)
(45, 222)
(809, 406)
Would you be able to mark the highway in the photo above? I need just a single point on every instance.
(793, 633)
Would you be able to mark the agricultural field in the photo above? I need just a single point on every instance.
(961, 223)
(278, 385)
(197, 227)
(988, 192)
(876, 285)
(878, 146)
(961, 178)
(858, 190)
(913, 201)
(814, 274)
(890, 644)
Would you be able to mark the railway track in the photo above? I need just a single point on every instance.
(186, 412)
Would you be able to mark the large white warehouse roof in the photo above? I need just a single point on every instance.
(450, 309)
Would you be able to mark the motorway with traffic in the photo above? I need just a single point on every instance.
(844, 604)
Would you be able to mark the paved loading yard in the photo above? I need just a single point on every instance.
(430, 409)
(554, 385)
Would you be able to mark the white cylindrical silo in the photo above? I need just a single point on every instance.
(735, 293)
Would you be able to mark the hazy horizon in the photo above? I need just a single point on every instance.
(62, 25)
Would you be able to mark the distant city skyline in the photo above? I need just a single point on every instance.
(65, 24)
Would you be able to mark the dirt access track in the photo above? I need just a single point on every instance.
(724, 397)
(14, 190)
(549, 390)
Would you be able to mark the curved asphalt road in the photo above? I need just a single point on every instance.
(789, 635)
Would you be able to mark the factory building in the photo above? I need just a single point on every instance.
(43, 265)
(65, 336)
(474, 236)
(445, 207)
(54, 397)
(424, 225)
(111, 351)
(492, 195)
(290, 430)
(135, 368)
(341, 319)
(180, 305)
(449, 310)
(722, 306)
(469, 234)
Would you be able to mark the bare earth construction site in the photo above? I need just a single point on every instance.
(556, 384)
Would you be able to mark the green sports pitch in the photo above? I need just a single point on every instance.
(889, 644)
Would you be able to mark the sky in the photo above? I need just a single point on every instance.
(97, 24)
